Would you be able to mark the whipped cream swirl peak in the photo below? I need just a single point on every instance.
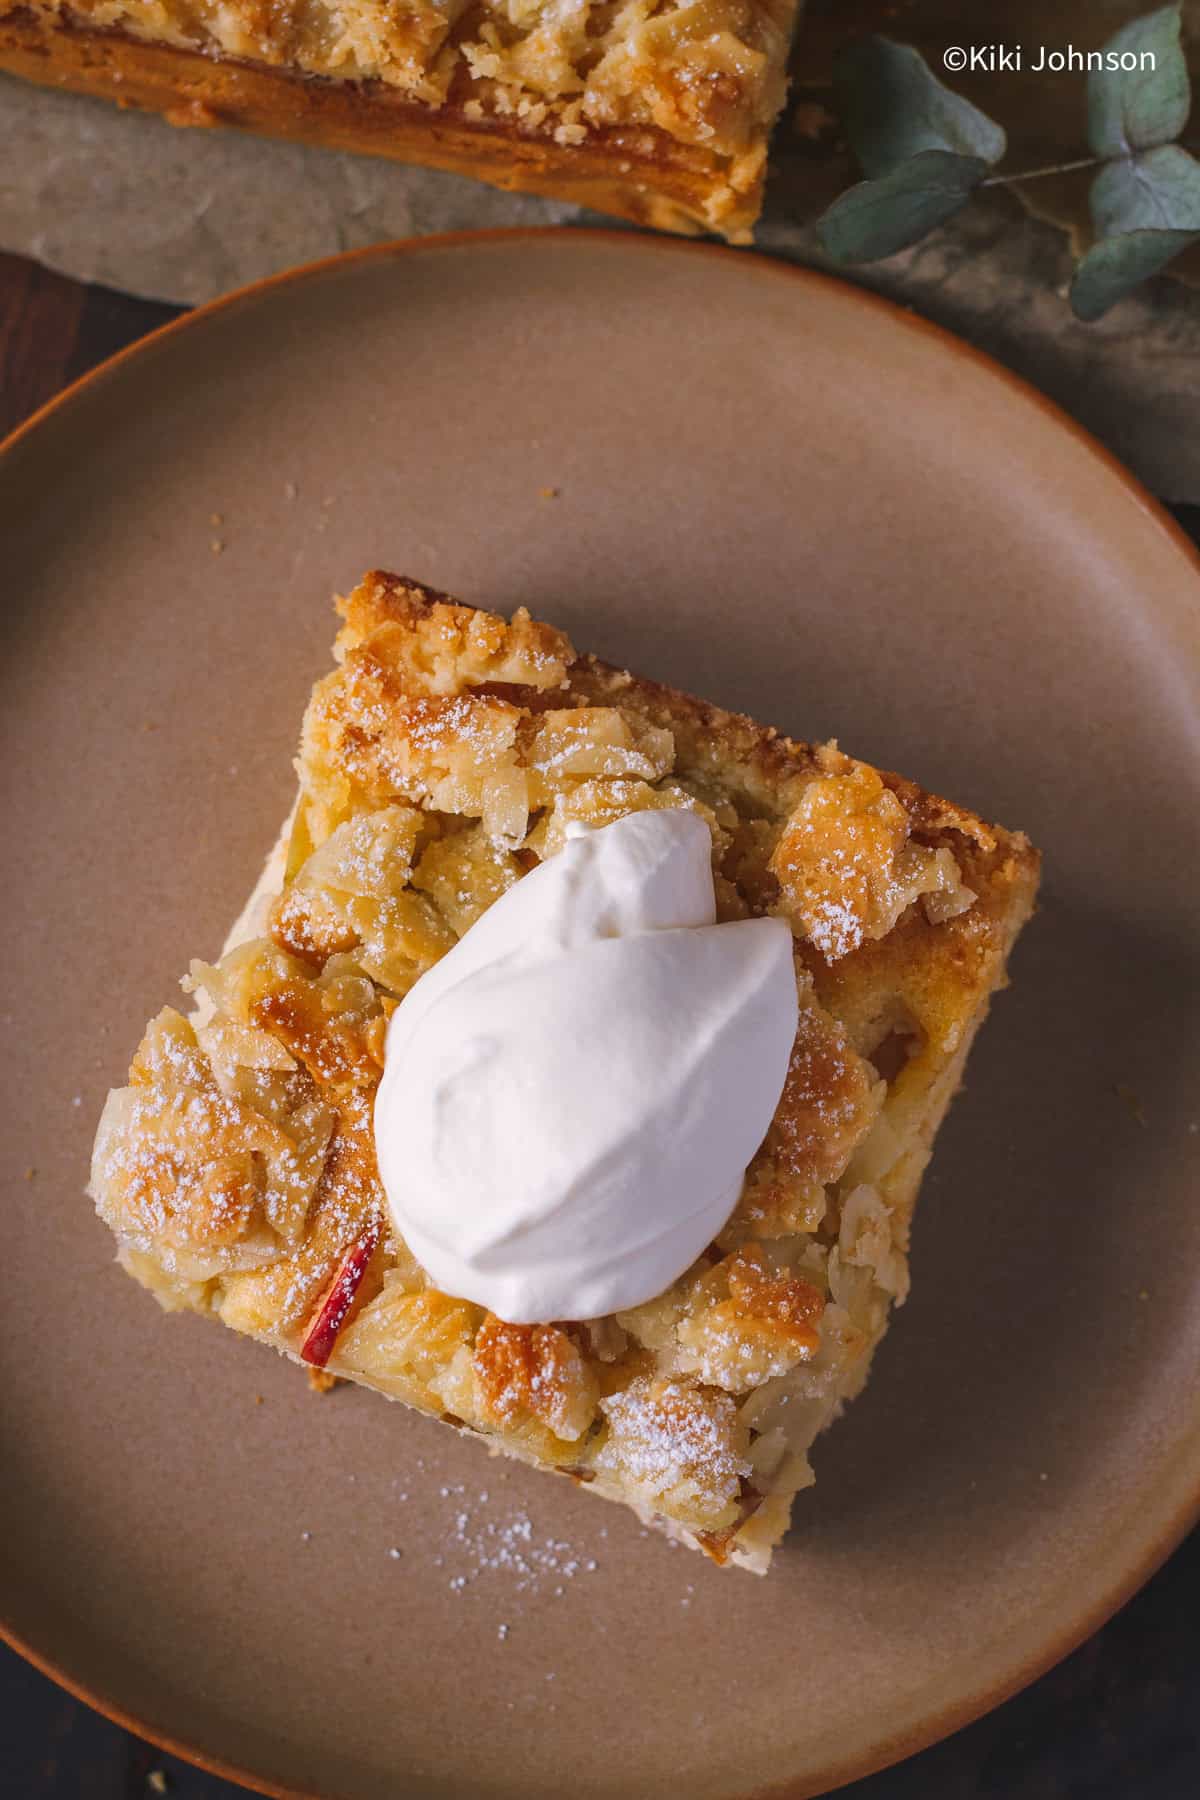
(571, 1096)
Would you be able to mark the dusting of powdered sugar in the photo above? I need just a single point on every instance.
(485, 1541)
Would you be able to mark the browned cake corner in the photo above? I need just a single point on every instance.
(441, 760)
(660, 114)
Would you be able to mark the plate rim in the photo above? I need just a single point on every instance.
(942, 1723)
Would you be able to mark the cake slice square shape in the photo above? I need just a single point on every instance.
(449, 753)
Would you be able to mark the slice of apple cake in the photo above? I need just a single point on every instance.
(660, 111)
(448, 756)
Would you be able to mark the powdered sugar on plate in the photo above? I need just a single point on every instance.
(484, 1540)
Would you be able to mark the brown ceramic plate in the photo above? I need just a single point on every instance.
(777, 492)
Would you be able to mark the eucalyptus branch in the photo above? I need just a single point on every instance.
(924, 150)
(1063, 168)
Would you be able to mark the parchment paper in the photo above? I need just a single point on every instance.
(142, 206)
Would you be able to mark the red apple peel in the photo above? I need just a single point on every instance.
(332, 1313)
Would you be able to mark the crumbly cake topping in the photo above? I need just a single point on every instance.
(537, 1370)
(439, 762)
(707, 73)
(847, 867)
(679, 1445)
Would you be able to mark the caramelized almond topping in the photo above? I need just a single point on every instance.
(331, 1049)
(788, 1304)
(826, 1102)
(534, 1369)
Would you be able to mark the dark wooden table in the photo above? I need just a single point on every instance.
(1118, 1720)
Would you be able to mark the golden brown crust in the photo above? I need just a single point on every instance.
(440, 761)
(537, 1370)
(776, 1305)
(830, 1096)
(636, 171)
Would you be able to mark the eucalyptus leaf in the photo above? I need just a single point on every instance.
(893, 107)
(1116, 265)
(1157, 191)
(877, 218)
(1139, 108)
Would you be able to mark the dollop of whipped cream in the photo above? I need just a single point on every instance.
(571, 1096)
